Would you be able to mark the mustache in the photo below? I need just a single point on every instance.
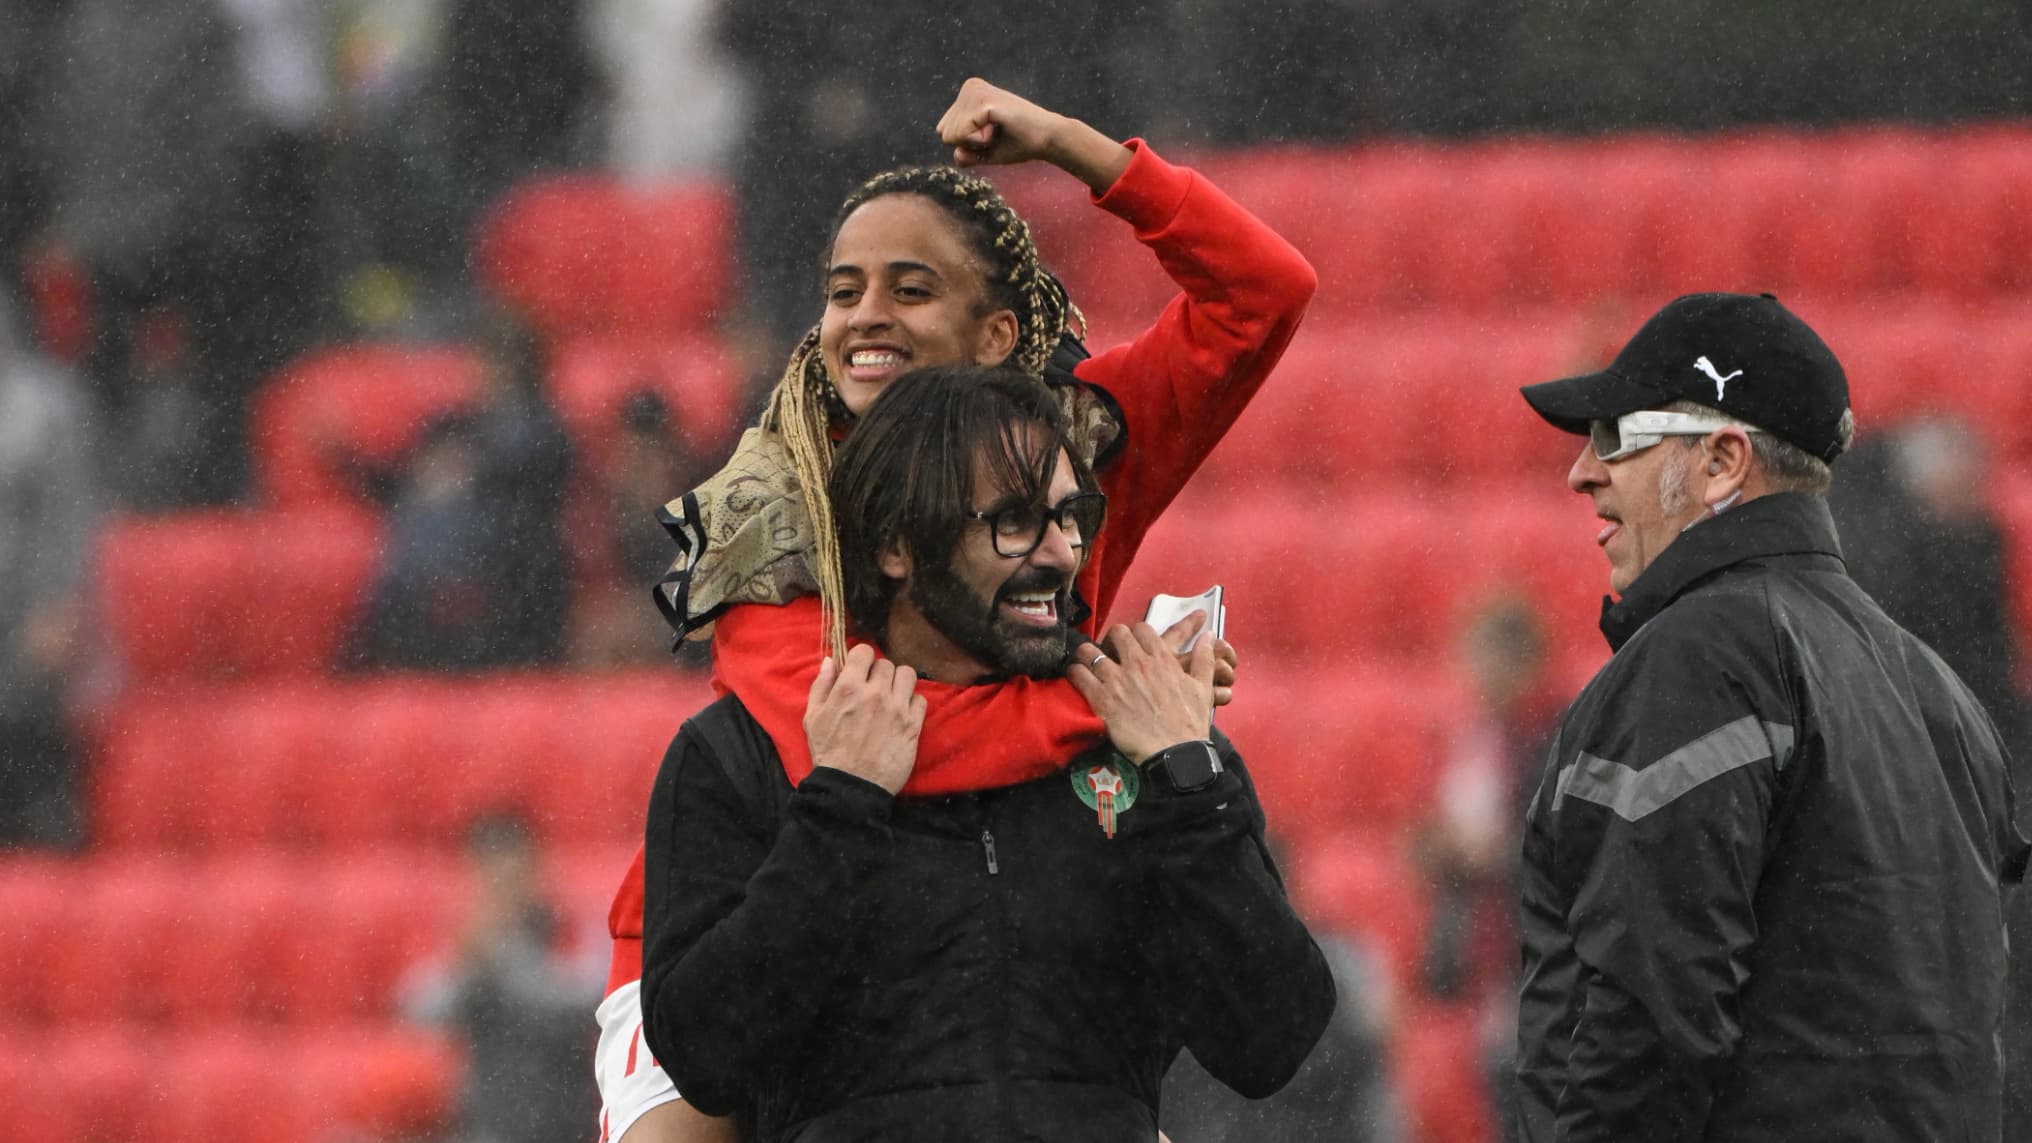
(1035, 580)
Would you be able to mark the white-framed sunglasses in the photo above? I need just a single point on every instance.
(1635, 432)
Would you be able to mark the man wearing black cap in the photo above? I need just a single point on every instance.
(1764, 873)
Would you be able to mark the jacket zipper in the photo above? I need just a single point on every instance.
(998, 948)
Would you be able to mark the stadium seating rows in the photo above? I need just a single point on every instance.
(1381, 577)
(586, 255)
(1388, 571)
(297, 765)
(1431, 398)
(265, 940)
(1429, 395)
(1513, 221)
(1396, 225)
(333, 413)
(225, 1086)
(304, 766)
(235, 593)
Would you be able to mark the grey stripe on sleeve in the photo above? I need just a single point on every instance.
(1634, 794)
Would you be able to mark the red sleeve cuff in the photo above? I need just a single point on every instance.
(1150, 193)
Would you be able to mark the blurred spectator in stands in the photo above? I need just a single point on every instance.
(1289, 71)
(1342, 1092)
(50, 496)
(676, 106)
(26, 60)
(475, 573)
(1918, 535)
(651, 457)
(517, 996)
(159, 449)
(275, 235)
(1469, 848)
(398, 261)
(516, 81)
(140, 118)
(833, 106)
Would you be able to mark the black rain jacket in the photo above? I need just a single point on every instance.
(1765, 872)
(841, 965)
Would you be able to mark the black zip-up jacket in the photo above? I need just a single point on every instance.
(840, 965)
(1764, 874)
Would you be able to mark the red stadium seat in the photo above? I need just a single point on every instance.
(2009, 384)
(1379, 575)
(1340, 747)
(140, 787)
(1367, 404)
(374, 779)
(233, 1087)
(35, 1109)
(1477, 234)
(1465, 418)
(490, 757)
(1589, 227)
(1440, 1066)
(1346, 410)
(1996, 163)
(210, 973)
(227, 1085)
(1379, 234)
(584, 878)
(355, 404)
(1831, 208)
(591, 380)
(235, 594)
(36, 900)
(1701, 240)
(172, 591)
(102, 1081)
(584, 254)
(276, 751)
(382, 1084)
(1917, 358)
(228, 767)
(365, 924)
(123, 915)
(1365, 887)
(613, 735)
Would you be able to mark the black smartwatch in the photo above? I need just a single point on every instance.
(1187, 766)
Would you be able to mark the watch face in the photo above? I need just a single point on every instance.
(1192, 766)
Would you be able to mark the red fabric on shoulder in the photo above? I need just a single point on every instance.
(974, 737)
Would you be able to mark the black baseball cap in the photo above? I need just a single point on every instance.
(1743, 354)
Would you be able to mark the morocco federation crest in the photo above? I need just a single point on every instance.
(1108, 789)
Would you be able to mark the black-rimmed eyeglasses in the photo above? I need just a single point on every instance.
(1018, 530)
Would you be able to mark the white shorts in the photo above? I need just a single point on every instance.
(630, 1082)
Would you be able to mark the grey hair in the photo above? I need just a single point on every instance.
(1788, 467)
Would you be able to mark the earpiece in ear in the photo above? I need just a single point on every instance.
(1714, 468)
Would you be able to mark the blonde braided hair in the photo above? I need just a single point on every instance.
(805, 404)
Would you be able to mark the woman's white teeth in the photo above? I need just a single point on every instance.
(868, 358)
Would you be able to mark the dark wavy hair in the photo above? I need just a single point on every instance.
(906, 474)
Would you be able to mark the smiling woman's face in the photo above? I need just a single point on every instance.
(903, 292)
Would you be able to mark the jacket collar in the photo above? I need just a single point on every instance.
(1784, 523)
